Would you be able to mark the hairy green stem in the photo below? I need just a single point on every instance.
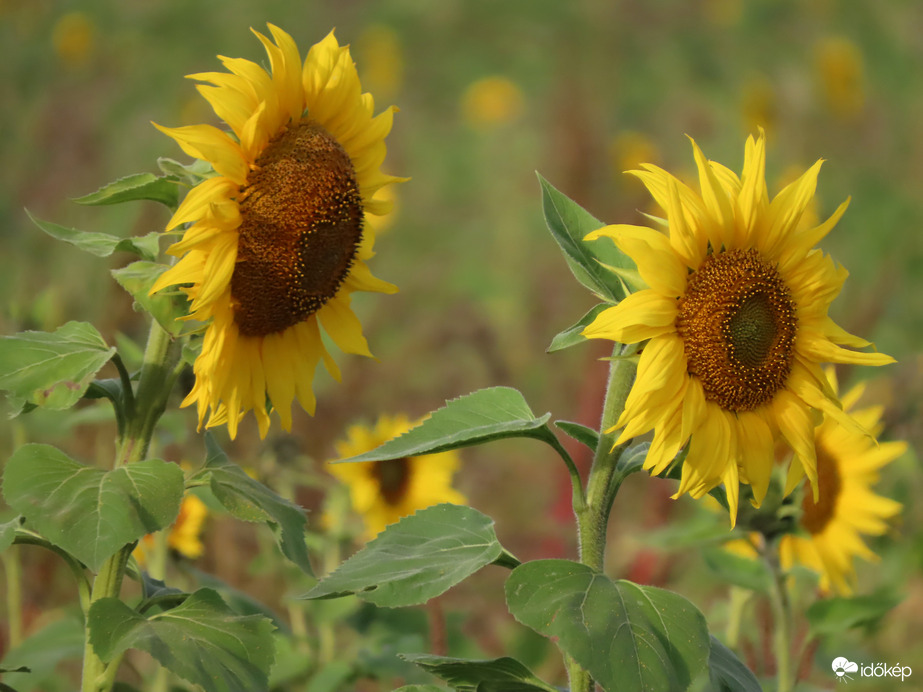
(602, 485)
(783, 625)
(13, 569)
(158, 374)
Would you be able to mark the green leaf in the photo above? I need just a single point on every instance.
(632, 459)
(487, 414)
(89, 512)
(416, 559)
(495, 675)
(52, 369)
(728, 673)
(584, 435)
(250, 500)
(41, 653)
(629, 637)
(573, 335)
(569, 223)
(201, 640)
(837, 615)
(421, 688)
(739, 570)
(189, 173)
(142, 186)
(101, 244)
(138, 278)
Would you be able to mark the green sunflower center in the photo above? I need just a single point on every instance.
(393, 478)
(301, 227)
(737, 322)
(816, 515)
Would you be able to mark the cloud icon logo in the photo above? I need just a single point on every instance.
(841, 666)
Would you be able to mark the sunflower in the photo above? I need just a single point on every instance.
(847, 467)
(736, 325)
(384, 491)
(276, 242)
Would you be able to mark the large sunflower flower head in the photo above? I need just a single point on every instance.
(382, 492)
(831, 528)
(735, 323)
(275, 242)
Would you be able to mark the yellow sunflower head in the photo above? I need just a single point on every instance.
(384, 491)
(275, 242)
(848, 465)
(735, 323)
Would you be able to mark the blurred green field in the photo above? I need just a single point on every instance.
(489, 93)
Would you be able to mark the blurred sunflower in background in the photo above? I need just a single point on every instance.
(830, 528)
(277, 242)
(184, 536)
(736, 325)
(382, 492)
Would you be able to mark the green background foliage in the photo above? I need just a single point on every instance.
(484, 290)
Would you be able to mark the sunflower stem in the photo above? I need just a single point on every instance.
(158, 375)
(602, 486)
(783, 622)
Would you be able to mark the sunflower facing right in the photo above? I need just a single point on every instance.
(736, 325)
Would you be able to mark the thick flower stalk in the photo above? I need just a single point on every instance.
(736, 326)
(276, 242)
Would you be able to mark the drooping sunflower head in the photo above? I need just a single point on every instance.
(275, 242)
(382, 492)
(831, 527)
(735, 323)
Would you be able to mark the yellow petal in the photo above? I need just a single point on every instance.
(639, 316)
(211, 144)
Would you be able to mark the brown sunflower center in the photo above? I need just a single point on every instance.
(301, 227)
(816, 515)
(393, 477)
(737, 322)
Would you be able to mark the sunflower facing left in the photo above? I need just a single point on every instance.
(276, 241)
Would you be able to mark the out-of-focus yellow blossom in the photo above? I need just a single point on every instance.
(185, 535)
(629, 149)
(841, 74)
(74, 39)
(758, 106)
(382, 60)
(383, 492)
(723, 13)
(492, 101)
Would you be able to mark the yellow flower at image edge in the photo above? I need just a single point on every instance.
(277, 242)
(848, 465)
(736, 324)
(383, 492)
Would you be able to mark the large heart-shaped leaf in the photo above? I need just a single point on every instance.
(89, 512)
(487, 414)
(250, 500)
(494, 675)
(52, 369)
(201, 640)
(418, 558)
(630, 638)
